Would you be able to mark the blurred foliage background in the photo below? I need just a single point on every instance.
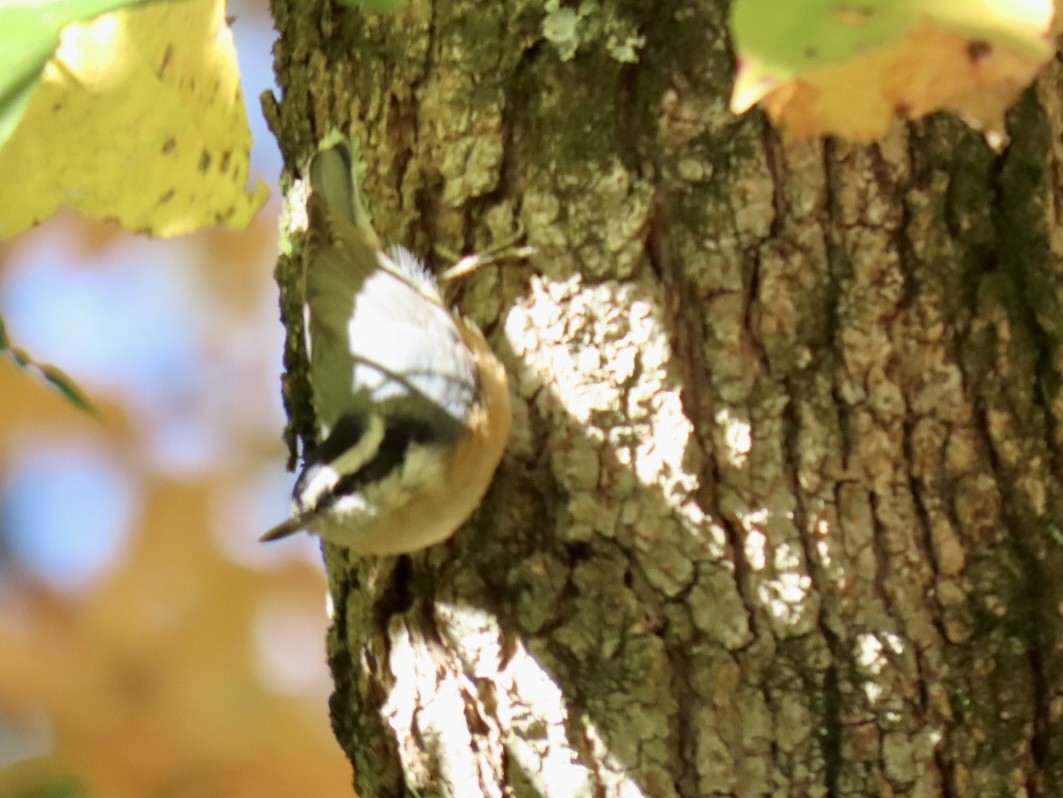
(149, 646)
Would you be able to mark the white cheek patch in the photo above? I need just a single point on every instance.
(324, 480)
(353, 506)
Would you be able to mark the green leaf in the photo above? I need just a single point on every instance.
(66, 386)
(53, 375)
(794, 36)
(22, 360)
(798, 35)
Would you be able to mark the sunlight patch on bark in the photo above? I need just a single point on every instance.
(595, 360)
(497, 698)
(738, 437)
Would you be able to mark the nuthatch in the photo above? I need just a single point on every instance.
(413, 405)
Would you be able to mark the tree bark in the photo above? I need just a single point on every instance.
(781, 510)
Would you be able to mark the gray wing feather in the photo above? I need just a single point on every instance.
(378, 339)
(332, 180)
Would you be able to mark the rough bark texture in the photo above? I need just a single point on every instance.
(781, 511)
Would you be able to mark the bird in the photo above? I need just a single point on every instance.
(412, 403)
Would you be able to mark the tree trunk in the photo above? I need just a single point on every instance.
(781, 511)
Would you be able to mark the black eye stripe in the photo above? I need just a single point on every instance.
(400, 432)
(388, 457)
(347, 432)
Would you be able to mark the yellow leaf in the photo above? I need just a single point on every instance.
(139, 118)
(973, 57)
